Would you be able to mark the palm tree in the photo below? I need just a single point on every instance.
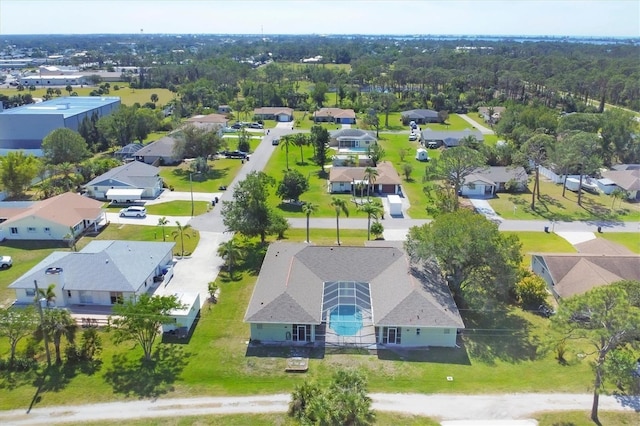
(230, 252)
(341, 206)
(287, 142)
(56, 324)
(615, 194)
(300, 140)
(372, 210)
(181, 232)
(308, 209)
(370, 175)
(161, 223)
(48, 294)
(154, 98)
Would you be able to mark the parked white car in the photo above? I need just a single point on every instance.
(133, 211)
(5, 262)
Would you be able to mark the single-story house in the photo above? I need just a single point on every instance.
(626, 177)
(118, 270)
(55, 218)
(351, 139)
(570, 274)
(273, 113)
(224, 109)
(347, 179)
(139, 179)
(489, 180)
(335, 115)
(159, 153)
(420, 116)
(447, 138)
(128, 152)
(368, 297)
(494, 117)
(210, 121)
(607, 186)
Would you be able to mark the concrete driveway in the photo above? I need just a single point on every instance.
(483, 207)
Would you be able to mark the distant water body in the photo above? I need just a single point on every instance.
(514, 38)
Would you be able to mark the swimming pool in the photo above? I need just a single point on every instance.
(345, 320)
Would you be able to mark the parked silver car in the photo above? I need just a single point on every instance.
(133, 211)
(5, 262)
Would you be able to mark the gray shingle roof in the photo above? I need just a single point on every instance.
(102, 266)
(352, 134)
(291, 284)
(498, 174)
(419, 113)
(135, 173)
(450, 137)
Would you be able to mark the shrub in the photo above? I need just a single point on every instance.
(531, 291)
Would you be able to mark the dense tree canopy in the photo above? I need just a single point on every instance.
(17, 170)
(193, 142)
(479, 262)
(64, 146)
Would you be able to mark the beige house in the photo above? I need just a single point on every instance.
(54, 219)
(282, 114)
(335, 115)
(348, 179)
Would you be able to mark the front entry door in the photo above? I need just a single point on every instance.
(393, 336)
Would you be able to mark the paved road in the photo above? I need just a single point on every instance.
(497, 407)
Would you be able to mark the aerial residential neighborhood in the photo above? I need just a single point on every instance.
(335, 224)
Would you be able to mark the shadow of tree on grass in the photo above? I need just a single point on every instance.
(147, 379)
(498, 335)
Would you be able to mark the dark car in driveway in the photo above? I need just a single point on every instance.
(237, 154)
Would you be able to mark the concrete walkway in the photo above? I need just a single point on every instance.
(483, 130)
(483, 207)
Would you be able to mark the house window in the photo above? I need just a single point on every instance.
(95, 188)
(31, 229)
(30, 292)
(392, 335)
(68, 293)
(259, 326)
(14, 230)
(447, 331)
(116, 297)
(417, 331)
(47, 229)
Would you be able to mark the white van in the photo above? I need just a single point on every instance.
(133, 211)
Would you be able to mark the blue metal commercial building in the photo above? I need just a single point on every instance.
(24, 127)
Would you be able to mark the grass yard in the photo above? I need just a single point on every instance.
(127, 95)
(222, 172)
(540, 242)
(630, 240)
(179, 208)
(25, 255)
(501, 351)
(582, 418)
(116, 231)
(553, 206)
(281, 419)
(348, 237)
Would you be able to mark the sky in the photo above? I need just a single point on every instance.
(589, 18)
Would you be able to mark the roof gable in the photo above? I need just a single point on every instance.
(128, 172)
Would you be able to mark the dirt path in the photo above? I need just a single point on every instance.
(441, 406)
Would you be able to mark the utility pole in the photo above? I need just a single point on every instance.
(44, 335)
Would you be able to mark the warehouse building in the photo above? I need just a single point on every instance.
(24, 127)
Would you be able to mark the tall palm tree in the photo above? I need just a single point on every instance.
(370, 174)
(162, 222)
(181, 232)
(48, 294)
(56, 324)
(341, 206)
(230, 252)
(301, 140)
(372, 210)
(308, 209)
(286, 143)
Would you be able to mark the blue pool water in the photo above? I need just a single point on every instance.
(345, 320)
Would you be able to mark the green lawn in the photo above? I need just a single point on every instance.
(553, 206)
(127, 96)
(582, 418)
(630, 240)
(541, 242)
(179, 208)
(348, 237)
(501, 351)
(222, 172)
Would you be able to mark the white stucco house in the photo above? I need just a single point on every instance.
(132, 181)
(488, 181)
(55, 219)
(370, 297)
(105, 272)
